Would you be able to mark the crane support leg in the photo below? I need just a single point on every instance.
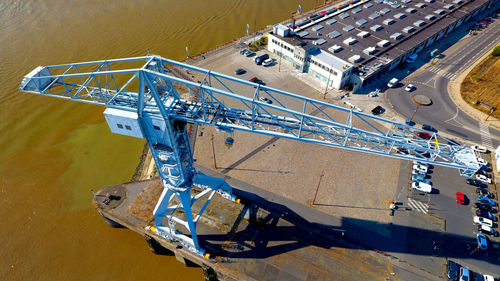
(173, 199)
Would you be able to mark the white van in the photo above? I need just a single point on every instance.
(421, 186)
(393, 82)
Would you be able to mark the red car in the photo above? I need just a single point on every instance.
(424, 135)
(254, 79)
(460, 198)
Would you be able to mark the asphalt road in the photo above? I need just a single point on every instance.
(432, 79)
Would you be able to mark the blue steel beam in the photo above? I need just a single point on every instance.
(142, 90)
(277, 119)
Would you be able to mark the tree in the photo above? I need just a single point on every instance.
(496, 51)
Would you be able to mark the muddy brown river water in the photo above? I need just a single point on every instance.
(53, 151)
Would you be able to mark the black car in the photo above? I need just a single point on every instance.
(378, 110)
(484, 192)
(239, 71)
(483, 206)
(476, 276)
(258, 60)
(485, 214)
(429, 128)
(476, 183)
(452, 270)
(483, 172)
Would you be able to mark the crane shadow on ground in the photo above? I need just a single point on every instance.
(266, 229)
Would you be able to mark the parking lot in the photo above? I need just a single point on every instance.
(458, 241)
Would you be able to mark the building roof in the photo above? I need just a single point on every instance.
(412, 24)
(329, 60)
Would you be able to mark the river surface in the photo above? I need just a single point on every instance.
(53, 151)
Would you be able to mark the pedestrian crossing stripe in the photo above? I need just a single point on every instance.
(419, 206)
(485, 136)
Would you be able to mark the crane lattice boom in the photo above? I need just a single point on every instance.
(148, 97)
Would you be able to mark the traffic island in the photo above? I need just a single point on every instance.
(421, 100)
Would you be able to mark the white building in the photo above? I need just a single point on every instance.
(307, 57)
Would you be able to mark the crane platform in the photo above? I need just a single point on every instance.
(252, 240)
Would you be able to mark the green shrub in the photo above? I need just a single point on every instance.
(496, 51)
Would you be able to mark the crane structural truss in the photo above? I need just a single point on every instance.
(146, 97)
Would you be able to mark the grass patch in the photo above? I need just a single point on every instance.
(481, 87)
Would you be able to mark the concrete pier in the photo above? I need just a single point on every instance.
(260, 239)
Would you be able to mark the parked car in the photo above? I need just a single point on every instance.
(423, 135)
(484, 192)
(266, 100)
(488, 277)
(464, 274)
(482, 241)
(258, 60)
(418, 177)
(486, 200)
(409, 88)
(420, 168)
(476, 183)
(419, 173)
(476, 276)
(483, 172)
(411, 58)
(393, 82)
(378, 110)
(483, 178)
(482, 162)
(244, 51)
(420, 163)
(239, 71)
(268, 62)
(254, 79)
(487, 230)
(452, 269)
(422, 187)
(483, 221)
(429, 128)
(483, 206)
(486, 214)
(479, 148)
(249, 53)
(424, 181)
(460, 198)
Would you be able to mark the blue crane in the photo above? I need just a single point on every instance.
(151, 97)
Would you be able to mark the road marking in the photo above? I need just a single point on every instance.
(485, 136)
(452, 118)
(419, 206)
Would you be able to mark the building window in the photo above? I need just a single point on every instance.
(156, 127)
(120, 126)
(128, 127)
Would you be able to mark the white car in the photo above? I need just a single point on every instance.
(421, 168)
(482, 162)
(479, 148)
(483, 178)
(268, 62)
(420, 186)
(488, 277)
(419, 173)
(393, 82)
(420, 163)
(409, 88)
(483, 221)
